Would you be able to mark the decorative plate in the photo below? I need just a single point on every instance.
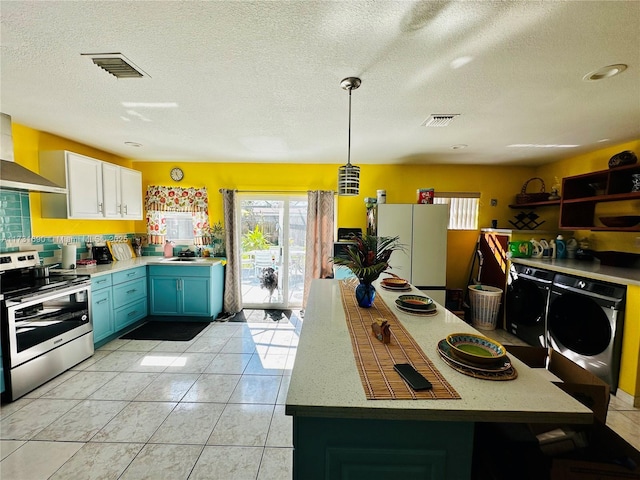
(406, 288)
(414, 302)
(444, 349)
(476, 349)
(409, 308)
(394, 282)
(419, 313)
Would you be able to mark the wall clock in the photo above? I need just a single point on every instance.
(177, 174)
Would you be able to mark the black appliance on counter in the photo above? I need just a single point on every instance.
(101, 254)
(45, 322)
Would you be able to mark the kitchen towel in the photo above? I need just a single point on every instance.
(69, 256)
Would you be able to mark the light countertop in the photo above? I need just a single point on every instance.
(118, 266)
(325, 380)
(583, 268)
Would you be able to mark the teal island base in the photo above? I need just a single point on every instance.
(379, 449)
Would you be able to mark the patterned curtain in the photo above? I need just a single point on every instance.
(319, 244)
(160, 199)
(232, 277)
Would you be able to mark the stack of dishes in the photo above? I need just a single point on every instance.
(395, 284)
(416, 305)
(476, 356)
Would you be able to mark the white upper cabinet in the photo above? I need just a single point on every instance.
(131, 193)
(96, 189)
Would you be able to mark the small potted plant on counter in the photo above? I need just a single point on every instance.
(367, 256)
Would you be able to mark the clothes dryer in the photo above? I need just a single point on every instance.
(585, 323)
(526, 303)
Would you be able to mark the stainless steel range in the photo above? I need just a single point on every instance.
(46, 322)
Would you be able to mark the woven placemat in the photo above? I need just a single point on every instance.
(375, 359)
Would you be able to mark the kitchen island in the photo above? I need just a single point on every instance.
(338, 433)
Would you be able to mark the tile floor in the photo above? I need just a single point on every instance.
(211, 408)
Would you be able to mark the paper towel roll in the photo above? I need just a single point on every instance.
(69, 256)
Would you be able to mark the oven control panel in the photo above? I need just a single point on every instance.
(15, 260)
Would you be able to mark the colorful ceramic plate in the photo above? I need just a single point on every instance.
(415, 302)
(394, 282)
(408, 308)
(444, 349)
(407, 288)
(420, 313)
(475, 349)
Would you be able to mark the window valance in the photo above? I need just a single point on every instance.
(160, 199)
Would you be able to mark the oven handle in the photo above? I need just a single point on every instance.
(50, 294)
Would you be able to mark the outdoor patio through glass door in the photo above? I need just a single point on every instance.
(273, 234)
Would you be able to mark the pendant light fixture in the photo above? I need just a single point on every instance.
(349, 175)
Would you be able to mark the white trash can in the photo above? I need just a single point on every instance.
(485, 303)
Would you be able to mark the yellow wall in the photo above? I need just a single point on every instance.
(27, 145)
(592, 162)
(400, 181)
(630, 361)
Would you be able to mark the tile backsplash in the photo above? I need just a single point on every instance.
(15, 218)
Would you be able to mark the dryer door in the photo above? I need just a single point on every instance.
(577, 323)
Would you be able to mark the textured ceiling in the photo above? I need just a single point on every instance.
(259, 81)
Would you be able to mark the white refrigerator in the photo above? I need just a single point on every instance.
(423, 232)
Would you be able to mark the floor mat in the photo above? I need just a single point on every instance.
(168, 331)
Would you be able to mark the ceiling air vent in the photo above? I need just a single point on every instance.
(439, 120)
(116, 64)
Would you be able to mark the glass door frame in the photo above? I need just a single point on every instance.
(284, 235)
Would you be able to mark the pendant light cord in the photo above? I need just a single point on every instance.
(349, 141)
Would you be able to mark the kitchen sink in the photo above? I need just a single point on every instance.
(185, 259)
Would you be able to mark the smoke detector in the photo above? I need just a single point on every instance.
(116, 64)
(439, 119)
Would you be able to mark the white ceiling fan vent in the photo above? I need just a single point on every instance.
(439, 120)
(116, 64)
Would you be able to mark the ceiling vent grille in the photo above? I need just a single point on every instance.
(439, 120)
(116, 64)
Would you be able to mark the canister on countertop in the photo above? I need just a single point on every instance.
(69, 256)
(572, 246)
(168, 249)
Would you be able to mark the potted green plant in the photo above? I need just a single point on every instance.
(367, 256)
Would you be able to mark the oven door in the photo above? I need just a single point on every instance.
(37, 324)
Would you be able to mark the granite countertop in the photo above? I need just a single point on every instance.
(325, 379)
(588, 269)
(118, 266)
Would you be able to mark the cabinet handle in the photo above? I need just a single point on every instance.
(131, 314)
(119, 207)
(125, 209)
(100, 207)
(132, 291)
(100, 281)
(131, 274)
(101, 301)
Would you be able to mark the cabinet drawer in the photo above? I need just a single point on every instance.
(131, 274)
(129, 292)
(102, 315)
(180, 271)
(98, 283)
(125, 316)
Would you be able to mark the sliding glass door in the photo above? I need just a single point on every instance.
(273, 234)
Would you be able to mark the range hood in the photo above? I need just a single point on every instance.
(14, 176)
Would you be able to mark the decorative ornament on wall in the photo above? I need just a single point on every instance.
(177, 174)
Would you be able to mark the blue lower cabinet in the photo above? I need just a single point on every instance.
(194, 291)
(102, 311)
(117, 301)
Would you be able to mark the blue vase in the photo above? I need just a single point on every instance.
(365, 294)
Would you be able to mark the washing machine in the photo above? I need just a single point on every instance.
(585, 322)
(526, 303)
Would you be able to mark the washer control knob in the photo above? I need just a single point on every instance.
(582, 284)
